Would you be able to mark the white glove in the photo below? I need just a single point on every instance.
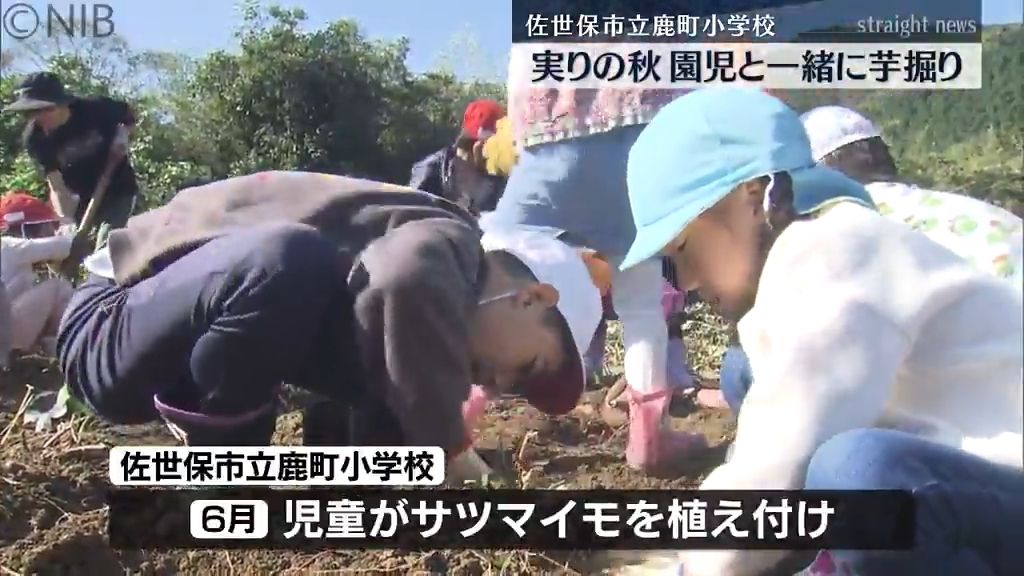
(119, 146)
(467, 467)
(654, 563)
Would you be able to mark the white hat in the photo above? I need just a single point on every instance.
(832, 127)
(555, 263)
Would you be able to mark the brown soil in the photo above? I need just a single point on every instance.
(52, 517)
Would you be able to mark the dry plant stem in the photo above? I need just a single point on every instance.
(523, 471)
(504, 565)
(81, 429)
(59, 433)
(305, 565)
(553, 562)
(79, 449)
(522, 446)
(76, 436)
(25, 400)
(487, 563)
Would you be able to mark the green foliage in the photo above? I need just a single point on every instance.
(969, 141)
(22, 174)
(326, 100)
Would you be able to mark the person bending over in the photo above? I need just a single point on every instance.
(881, 359)
(380, 300)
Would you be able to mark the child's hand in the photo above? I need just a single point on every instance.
(473, 408)
(467, 467)
(599, 269)
(80, 248)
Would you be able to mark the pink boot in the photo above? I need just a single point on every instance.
(651, 442)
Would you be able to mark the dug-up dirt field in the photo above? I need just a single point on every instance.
(52, 487)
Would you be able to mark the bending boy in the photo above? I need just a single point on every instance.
(570, 182)
(375, 297)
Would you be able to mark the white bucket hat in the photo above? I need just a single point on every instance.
(832, 127)
(555, 263)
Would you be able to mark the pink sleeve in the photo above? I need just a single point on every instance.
(672, 300)
(474, 407)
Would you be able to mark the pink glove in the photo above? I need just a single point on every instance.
(473, 409)
(672, 300)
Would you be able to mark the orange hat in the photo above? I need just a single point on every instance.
(19, 208)
(481, 116)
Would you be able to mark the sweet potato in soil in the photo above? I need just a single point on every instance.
(52, 519)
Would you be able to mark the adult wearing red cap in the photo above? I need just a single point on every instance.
(458, 172)
(33, 309)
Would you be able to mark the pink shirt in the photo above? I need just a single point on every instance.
(542, 115)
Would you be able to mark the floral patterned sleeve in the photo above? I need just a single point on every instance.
(987, 236)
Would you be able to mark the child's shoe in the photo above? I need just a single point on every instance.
(254, 428)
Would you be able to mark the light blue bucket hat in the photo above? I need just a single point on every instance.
(700, 147)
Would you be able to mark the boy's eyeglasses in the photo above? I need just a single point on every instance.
(499, 297)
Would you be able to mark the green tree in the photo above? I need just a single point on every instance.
(969, 141)
(326, 100)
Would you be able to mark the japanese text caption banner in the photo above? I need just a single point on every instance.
(527, 519)
(788, 66)
(770, 21)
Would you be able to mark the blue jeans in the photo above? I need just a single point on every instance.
(575, 186)
(735, 377)
(219, 329)
(970, 512)
(970, 517)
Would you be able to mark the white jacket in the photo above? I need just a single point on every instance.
(863, 322)
(18, 256)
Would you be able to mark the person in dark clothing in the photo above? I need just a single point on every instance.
(457, 172)
(74, 140)
(385, 302)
